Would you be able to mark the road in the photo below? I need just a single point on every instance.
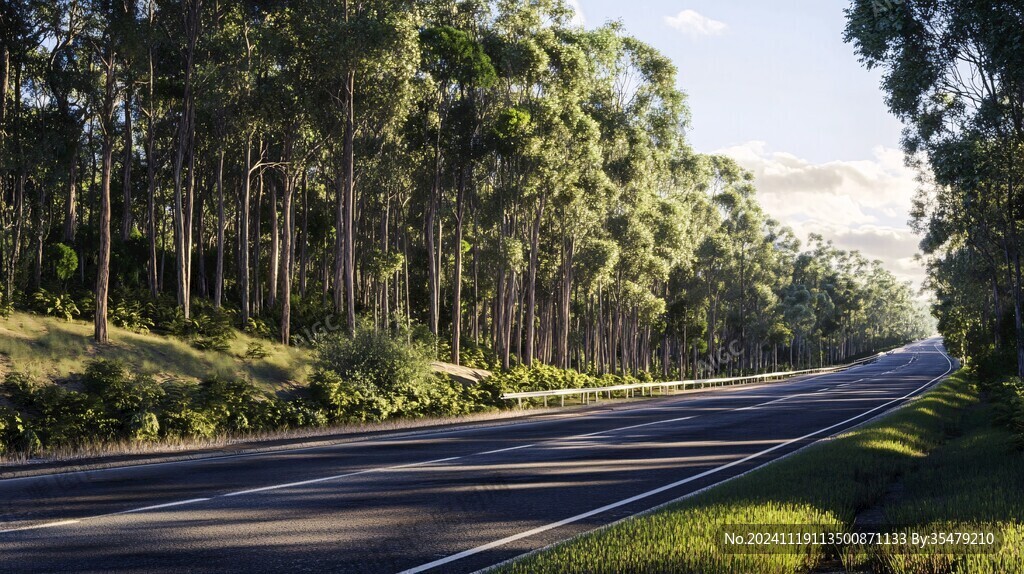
(453, 500)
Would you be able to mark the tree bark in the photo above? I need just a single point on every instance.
(460, 209)
(218, 285)
(531, 282)
(103, 264)
(182, 226)
(126, 217)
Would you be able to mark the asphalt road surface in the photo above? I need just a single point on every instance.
(453, 500)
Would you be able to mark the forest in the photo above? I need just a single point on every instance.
(481, 174)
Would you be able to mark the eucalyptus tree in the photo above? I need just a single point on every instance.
(459, 71)
(953, 74)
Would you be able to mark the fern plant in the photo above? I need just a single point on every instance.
(56, 305)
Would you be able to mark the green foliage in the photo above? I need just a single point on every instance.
(374, 360)
(55, 305)
(255, 351)
(1007, 395)
(11, 429)
(144, 426)
(541, 377)
(207, 329)
(257, 327)
(373, 376)
(65, 261)
(132, 315)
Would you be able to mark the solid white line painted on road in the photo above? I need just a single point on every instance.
(159, 506)
(624, 428)
(37, 526)
(649, 493)
(337, 476)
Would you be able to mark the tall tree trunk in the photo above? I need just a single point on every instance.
(303, 246)
(218, 285)
(154, 286)
(71, 206)
(348, 174)
(275, 248)
(531, 281)
(286, 261)
(126, 217)
(243, 234)
(182, 225)
(430, 230)
(460, 209)
(103, 265)
(564, 307)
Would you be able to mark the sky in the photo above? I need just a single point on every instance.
(772, 85)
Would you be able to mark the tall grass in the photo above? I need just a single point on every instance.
(827, 484)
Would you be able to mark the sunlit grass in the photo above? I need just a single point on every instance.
(48, 348)
(826, 484)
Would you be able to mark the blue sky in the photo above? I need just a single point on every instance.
(771, 84)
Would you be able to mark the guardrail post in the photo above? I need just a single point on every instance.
(563, 400)
(520, 402)
(545, 401)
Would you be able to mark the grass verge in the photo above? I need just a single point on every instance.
(47, 348)
(955, 468)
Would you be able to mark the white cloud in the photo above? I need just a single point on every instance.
(860, 205)
(695, 24)
(578, 19)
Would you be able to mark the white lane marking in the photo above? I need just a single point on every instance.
(641, 496)
(159, 506)
(625, 428)
(496, 451)
(37, 526)
(337, 476)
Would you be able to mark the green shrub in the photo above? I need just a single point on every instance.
(19, 388)
(144, 426)
(300, 413)
(371, 376)
(1008, 400)
(132, 315)
(125, 396)
(28, 443)
(256, 351)
(61, 306)
(180, 417)
(344, 401)
(374, 359)
(209, 329)
(238, 406)
(257, 328)
(11, 427)
(65, 261)
(69, 418)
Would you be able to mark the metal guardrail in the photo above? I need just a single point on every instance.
(649, 388)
